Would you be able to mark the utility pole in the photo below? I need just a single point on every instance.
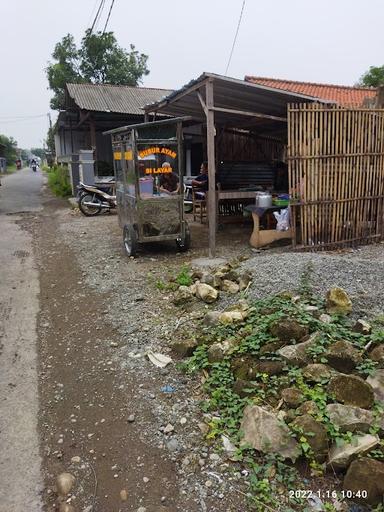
(50, 120)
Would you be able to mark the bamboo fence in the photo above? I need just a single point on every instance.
(336, 175)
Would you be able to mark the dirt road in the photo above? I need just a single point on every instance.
(20, 462)
(78, 393)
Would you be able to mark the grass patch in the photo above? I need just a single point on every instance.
(58, 181)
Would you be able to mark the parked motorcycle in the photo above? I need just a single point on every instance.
(92, 200)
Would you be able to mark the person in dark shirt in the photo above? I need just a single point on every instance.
(169, 181)
(201, 181)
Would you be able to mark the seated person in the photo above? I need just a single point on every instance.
(169, 182)
(200, 183)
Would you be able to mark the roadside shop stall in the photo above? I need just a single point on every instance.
(149, 169)
(323, 160)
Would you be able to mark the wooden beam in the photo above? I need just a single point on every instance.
(250, 114)
(211, 167)
(182, 93)
(202, 103)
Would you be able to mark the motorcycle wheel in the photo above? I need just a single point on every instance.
(130, 240)
(184, 242)
(89, 211)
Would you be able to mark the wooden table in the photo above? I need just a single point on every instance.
(259, 238)
(232, 197)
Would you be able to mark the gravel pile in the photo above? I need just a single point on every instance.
(359, 272)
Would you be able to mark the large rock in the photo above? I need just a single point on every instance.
(264, 432)
(271, 348)
(292, 397)
(377, 382)
(351, 390)
(206, 293)
(211, 319)
(216, 353)
(377, 354)
(366, 474)
(350, 418)
(338, 302)
(229, 286)
(362, 327)
(244, 388)
(298, 354)
(343, 356)
(308, 407)
(244, 279)
(316, 372)
(182, 296)
(185, 348)
(288, 329)
(231, 317)
(341, 456)
(316, 435)
(269, 367)
(246, 368)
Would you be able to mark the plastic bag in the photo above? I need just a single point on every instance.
(282, 218)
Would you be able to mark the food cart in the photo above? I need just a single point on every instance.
(148, 164)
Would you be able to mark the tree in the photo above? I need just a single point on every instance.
(64, 70)
(40, 152)
(99, 60)
(9, 148)
(373, 77)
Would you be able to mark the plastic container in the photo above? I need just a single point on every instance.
(263, 199)
(146, 186)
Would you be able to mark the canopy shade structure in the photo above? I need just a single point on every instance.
(237, 103)
(218, 100)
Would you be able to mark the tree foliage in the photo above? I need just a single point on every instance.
(40, 152)
(374, 77)
(99, 60)
(8, 147)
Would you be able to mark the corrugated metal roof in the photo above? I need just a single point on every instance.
(229, 93)
(114, 98)
(342, 94)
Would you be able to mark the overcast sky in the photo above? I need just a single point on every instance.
(331, 41)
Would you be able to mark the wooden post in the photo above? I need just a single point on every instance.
(211, 168)
(380, 97)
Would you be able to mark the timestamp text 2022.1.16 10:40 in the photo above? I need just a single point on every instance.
(320, 493)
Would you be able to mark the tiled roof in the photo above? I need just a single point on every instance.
(341, 94)
(114, 98)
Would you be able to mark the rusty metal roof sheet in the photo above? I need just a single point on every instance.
(114, 98)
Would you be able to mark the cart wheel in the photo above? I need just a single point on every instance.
(184, 243)
(130, 240)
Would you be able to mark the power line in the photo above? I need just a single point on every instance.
(109, 14)
(234, 41)
(92, 13)
(12, 118)
(98, 14)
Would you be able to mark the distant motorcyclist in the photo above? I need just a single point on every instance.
(33, 165)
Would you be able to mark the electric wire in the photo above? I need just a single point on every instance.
(98, 14)
(92, 13)
(19, 118)
(235, 39)
(109, 14)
